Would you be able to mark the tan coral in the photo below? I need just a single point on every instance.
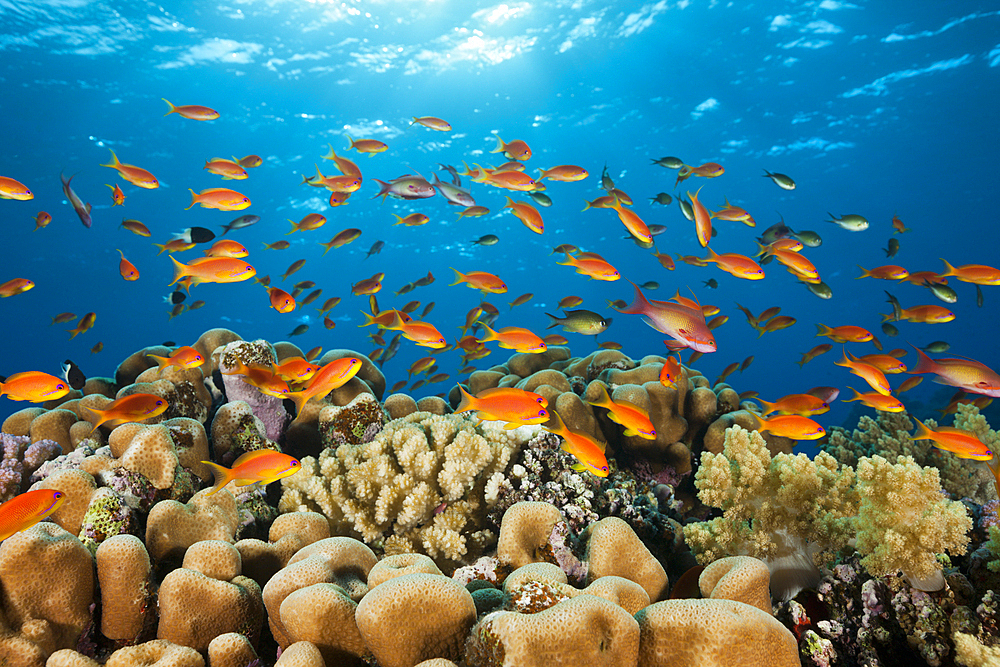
(415, 617)
(336, 560)
(739, 578)
(194, 608)
(525, 531)
(705, 633)
(191, 445)
(172, 526)
(301, 654)
(231, 649)
(156, 653)
(123, 570)
(146, 449)
(615, 549)
(288, 533)
(51, 610)
(19, 423)
(583, 630)
(209, 342)
(400, 405)
(545, 572)
(399, 565)
(78, 487)
(623, 592)
(67, 657)
(54, 425)
(214, 558)
(324, 615)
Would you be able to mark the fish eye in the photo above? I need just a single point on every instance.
(543, 413)
(57, 494)
(159, 402)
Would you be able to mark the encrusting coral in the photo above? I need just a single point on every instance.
(418, 486)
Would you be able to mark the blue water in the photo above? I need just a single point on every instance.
(874, 108)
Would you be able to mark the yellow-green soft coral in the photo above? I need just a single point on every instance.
(905, 520)
(771, 506)
(419, 486)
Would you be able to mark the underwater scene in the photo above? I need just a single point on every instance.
(458, 332)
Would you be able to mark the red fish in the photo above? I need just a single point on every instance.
(967, 374)
(685, 325)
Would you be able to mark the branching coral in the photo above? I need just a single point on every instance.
(771, 506)
(418, 486)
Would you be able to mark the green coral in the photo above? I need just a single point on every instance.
(352, 424)
(106, 516)
(993, 544)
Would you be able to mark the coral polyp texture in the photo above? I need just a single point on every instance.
(415, 536)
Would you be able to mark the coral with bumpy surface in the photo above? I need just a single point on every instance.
(418, 486)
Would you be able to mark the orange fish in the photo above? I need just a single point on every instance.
(524, 298)
(219, 198)
(192, 111)
(127, 269)
(509, 180)
(12, 189)
(292, 268)
(967, 374)
(280, 245)
(15, 286)
(735, 264)
(795, 404)
(329, 377)
(795, 427)
(480, 280)
(671, 372)
(702, 220)
(432, 123)
(632, 417)
(42, 220)
(131, 408)
(370, 146)
(870, 374)
(931, 314)
(261, 466)
(63, 317)
(117, 196)
(979, 274)
(897, 225)
(281, 301)
(424, 334)
(311, 221)
(884, 362)
(368, 286)
(515, 338)
(251, 161)
(887, 272)
(213, 270)
(346, 167)
(135, 175)
(845, 334)
(297, 369)
(588, 451)
(422, 365)
(733, 213)
(86, 322)
(25, 510)
(412, 220)
(527, 214)
(34, 387)
(517, 407)
(567, 173)
(963, 444)
(908, 384)
(474, 212)
(230, 170)
(878, 401)
(635, 225)
(594, 267)
(515, 150)
(183, 357)
(341, 239)
(174, 245)
(227, 248)
(345, 184)
(135, 227)
(813, 353)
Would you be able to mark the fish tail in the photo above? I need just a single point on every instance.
(180, 270)
(349, 139)
(604, 399)
(101, 418)
(865, 273)
(468, 401)
(490, 334)
(115, 163)
(949, 269)
(638, 306)
(300, 398)
(459, 276)
(922, 432)
(383, 189)
(500, 145)
(194, 197)
(556, 321)
(822, 330)
(173, 109)
(160, 361)
(558, 428)
(222, 476)
(926, 364)
(768, 408)
(295, 228)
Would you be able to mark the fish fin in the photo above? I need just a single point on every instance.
(466, 402)
(251, 455)
(578, 467)
(222, 474)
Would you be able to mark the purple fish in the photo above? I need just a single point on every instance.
(82, 210)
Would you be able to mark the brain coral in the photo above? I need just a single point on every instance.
(418, 486)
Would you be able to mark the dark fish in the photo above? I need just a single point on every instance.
(979, 297)
(809, 239)
(606, 181)
(489, 239)
(820, 289)
(175, 297)
(670, 162)
(541, 198)
(650, 284)
(937, 347)
(196, 235)
(778, 230)
(782, 181)
(897, 310)
(240, 223)
(662, 198)
(711, 282)
(584, 322)
(942, 291)
(889, 329)
(656, 230)
(299, 330)
(169, 343)
(73, 375)
(455, 178)
(375, 249)
(686, 209)
(893, 248)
